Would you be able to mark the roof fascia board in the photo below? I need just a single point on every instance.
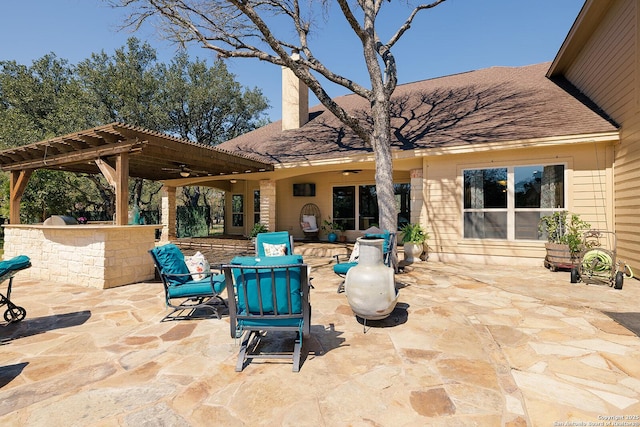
(599, 138)
(352, 161)
(583, 27)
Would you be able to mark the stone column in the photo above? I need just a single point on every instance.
(418, 207)
(168, 214)
(268, 203)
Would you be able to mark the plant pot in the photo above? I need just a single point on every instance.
(370, 285)
(342, 238)
(332, 237)
(412, 252)
(559, 256)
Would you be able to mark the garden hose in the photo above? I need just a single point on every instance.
(597, 260)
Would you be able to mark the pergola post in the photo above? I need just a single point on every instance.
(122, 189)
(168, 214)
(19, 180)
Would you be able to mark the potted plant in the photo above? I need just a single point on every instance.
(413, 238)
(565, 238)
(258, 228)
(332, 229)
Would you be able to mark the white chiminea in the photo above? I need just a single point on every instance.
(295, 100)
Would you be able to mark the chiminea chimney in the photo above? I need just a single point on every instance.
(295, 99)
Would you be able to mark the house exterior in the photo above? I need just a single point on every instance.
(479, 156)
(600, 57)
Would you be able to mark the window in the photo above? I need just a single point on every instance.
(345, 205)
(237, 210)
(507, 203)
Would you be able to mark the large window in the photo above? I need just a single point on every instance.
(507, 203)
(347, 207)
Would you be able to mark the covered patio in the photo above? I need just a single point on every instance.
(108, 255)
(465, 346)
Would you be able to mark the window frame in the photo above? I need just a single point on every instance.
(357, 188)
(511, 209)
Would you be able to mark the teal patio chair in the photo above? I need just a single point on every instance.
(343, 264)
(275, 243)
(179, 285)
(272, 297)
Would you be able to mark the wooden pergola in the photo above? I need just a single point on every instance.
(120, 151)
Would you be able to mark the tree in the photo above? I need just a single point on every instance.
(280, 32)
(40, 101)
(52, 98)
(207, 104)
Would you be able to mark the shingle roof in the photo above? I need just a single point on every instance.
(495, 104)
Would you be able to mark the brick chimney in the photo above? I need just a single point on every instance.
(295, 100)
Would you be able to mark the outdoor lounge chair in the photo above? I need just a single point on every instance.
(343, 264)
(268, 297)
(310, 220)
(179, 284)
(275, 243)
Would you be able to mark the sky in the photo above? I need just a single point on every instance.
(455, 37)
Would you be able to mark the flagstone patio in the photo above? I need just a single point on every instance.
(467, 345)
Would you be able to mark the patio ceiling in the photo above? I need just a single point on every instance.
(152, 155)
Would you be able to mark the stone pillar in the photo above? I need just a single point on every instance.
(168, 214)
(268, 203)
(418, 207)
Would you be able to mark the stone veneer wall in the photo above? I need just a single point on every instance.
(97, 256)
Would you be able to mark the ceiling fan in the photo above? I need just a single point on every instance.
(351, 171)
(182, 169)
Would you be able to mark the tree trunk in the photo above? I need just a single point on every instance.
(384, 165)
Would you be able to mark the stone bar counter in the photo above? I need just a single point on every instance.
(94, 255)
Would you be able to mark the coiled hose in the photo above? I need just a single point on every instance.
(599, 261)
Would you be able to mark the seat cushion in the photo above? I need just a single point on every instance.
(273, 238)
(311, 220)
(19, 262)
(171, 261)
(343, 267)
(196, 288)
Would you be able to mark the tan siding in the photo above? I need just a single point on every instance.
(589, 194)
(604, 70)
(607, 70)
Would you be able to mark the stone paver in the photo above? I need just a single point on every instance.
(466, 346)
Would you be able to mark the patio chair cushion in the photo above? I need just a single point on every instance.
(310, 220)
(171, 261)
(280, 278)
(19, 262)
(196, 288)
(342, 267)
(273, 238)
